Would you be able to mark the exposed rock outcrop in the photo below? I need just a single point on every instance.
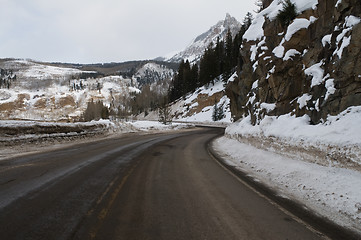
(312, 66)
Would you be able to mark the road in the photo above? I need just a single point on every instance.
(156, 186)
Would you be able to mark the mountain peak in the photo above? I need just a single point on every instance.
(228, 16)
(195, 50)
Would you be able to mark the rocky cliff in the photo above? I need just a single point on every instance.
(312, 66)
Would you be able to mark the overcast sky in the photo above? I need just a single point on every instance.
(89, 31)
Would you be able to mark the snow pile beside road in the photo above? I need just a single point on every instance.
(329, 191)
(337, 140)
(23, 131)
(157, 126)
(316, 165)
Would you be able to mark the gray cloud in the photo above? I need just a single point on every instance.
(107, 30)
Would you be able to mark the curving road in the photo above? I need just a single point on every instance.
(160, 186)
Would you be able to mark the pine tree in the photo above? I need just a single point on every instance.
(287, 14)
(229, 55)
(247, 21)
(215, 112)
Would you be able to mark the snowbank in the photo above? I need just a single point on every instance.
(23, 131)
(329, 191)
(341, 130)
(316, 165)
(157, 126)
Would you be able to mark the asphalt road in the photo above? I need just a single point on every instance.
(161, 186)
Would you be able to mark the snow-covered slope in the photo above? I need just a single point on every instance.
(195, 50)
(26, 69)
(43, 92)
(51, 92)
(153, 73)
(199, 106)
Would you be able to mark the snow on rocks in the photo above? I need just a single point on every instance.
(290, 53)
(255, 31)
(316, 72)
(343, 39)
(302, 101)
(330, 86)
(295, 26)
(326, 40)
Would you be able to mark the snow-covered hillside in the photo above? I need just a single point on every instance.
(195, 50)
(27, 69)
(43, 92)
(199, 106)
(62, 102)
(50, 92)
(152, 73)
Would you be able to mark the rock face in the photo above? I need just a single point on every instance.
(312, 66)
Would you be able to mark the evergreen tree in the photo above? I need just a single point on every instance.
(218, 112)
(247, 21)
(195, 77)
(215, 112)
(229, 56)
(287, 14)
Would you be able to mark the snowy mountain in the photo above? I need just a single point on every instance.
(195, 50)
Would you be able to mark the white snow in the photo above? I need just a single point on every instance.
(302, 101)
(51, 94)
(329, 191)
(330, 86)
(232, 78)
(295, 26)
(156, 126)
(326, 183)
(342, 130)
(254, 66)
(255, 84)
(326, 39)
(256, 32)
(351, 21)
(338, 3)
(182, 108)
(41, 71)
(316, 72)
(253, 51)
(268, 106)
(290, 53)
(279, 51)
(345, 42)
